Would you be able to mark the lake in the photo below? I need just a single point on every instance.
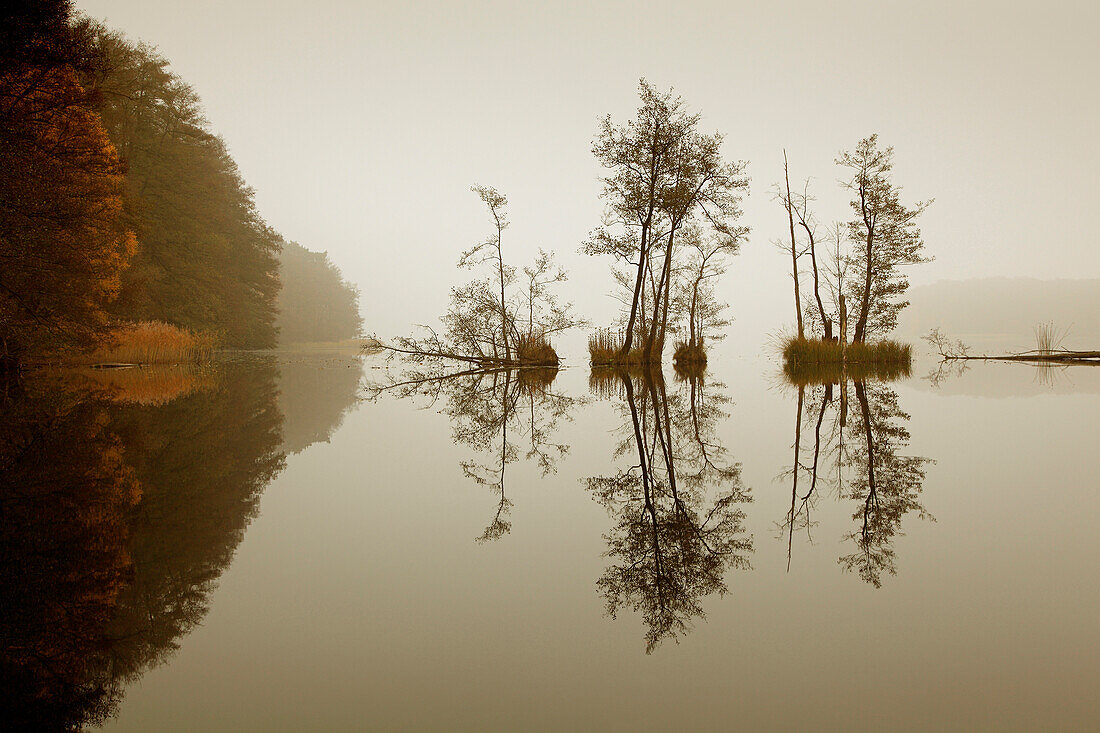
(282, 543)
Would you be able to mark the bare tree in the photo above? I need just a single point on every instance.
(482, 325)
(789, 205)
(801, 207)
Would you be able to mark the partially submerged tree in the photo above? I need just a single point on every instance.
(663, 174)
(886, 237)
(484, 325)
(800, 216)
(792, 247)
(490, 250)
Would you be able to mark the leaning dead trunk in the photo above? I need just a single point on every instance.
(794, 251)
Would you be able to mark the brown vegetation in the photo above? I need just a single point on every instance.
(687, 353)
(149, 387)
(605, 349)
(807, 374)
(535, 350)
(154, 342)
(803, 352)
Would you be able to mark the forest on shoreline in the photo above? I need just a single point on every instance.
(120, 205)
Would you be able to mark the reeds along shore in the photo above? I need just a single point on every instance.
(154, 342)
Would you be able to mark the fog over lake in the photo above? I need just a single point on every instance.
(582, 366)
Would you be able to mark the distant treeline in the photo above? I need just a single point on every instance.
(118, 203)
(315, 303)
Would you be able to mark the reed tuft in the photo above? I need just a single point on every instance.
(155, 342)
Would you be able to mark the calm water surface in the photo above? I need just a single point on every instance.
(257, 548)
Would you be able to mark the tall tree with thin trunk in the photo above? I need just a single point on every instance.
(662, 174)
(794, 248)
(886, 234)
(801, 206)
(496, 202)
(638, 157)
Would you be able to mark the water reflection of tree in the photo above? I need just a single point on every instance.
(501, 414)
(65, 494)
(99, 586)
(204, 462)
(862, 442)
(678, 523)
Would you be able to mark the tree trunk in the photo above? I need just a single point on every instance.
(503, 308)
(691, 313)
(794, 251)
(639, 284)
(657, 325)
(826, 323)
(860, 334)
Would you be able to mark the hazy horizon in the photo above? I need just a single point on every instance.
(363, 126)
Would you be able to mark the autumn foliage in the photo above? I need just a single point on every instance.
(63, 242)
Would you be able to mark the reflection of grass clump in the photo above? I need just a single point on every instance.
(607, 381)
(834, 372)
(535, 349)
(152, 386)
(536, 379)
(813, 361)
(689, 370)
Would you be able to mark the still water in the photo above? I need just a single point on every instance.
(277, 544)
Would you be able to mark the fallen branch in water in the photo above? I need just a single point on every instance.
(949, 350)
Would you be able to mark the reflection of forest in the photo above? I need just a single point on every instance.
(849, 431)
(315, 393)
(678, 522)
(118, 514)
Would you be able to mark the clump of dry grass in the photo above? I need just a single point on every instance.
(155, 342)
(689, 353)
(605, 345)
(1049, 337)
(801, 352)
(535, 350)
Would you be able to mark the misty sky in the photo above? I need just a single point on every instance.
(362, 125)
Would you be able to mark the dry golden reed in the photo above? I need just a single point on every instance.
(604, 346)
(155, 342)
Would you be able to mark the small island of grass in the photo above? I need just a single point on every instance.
(804, 352)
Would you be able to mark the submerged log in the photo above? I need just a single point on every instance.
(1064, 357)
